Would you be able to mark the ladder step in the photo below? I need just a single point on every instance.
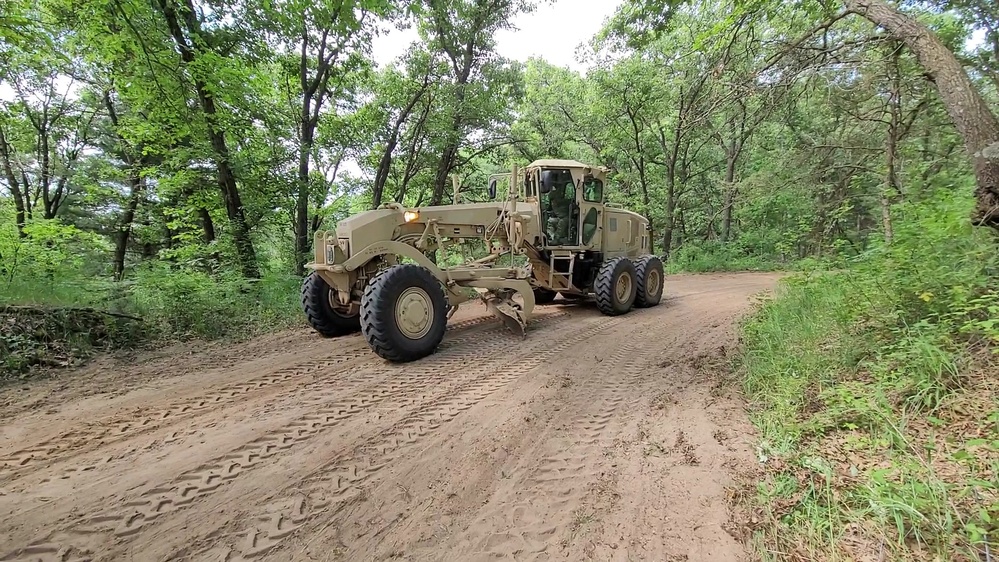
(572, 267)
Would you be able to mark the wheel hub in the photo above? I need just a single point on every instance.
(413, 313)
(652, 282)
(623, 287)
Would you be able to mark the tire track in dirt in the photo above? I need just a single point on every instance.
(563, 468)
(358, 536)
(214, 361)
(524, 515)
(322, 494)
(331, 408)
(99, 434)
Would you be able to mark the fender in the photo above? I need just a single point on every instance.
(396, 248)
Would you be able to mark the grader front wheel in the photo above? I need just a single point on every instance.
(404, 313)
(322, 315)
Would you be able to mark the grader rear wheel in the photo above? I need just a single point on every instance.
(615, 286)
(649, 272)
(318, 303)
(404, 313)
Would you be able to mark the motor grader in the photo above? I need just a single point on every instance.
(552, 233)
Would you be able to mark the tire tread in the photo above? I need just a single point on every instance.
(377, 313)
(603, 286)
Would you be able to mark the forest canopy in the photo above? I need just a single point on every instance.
(215, 138)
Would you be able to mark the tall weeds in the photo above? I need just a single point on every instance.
(876, 391)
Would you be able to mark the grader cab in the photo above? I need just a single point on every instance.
(551, 233)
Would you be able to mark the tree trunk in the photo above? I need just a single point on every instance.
(729, 199)
(385, 164)
(978, 126)
(15, 190)
(444, 167)
(125, 226)
(302, 244)
(207, 226)
(314, 91)
(136, 187)
(450, 154)
(892, 188)
(233, 202)
(226, 177)
(670, 215)
(384, 167)
(644, 184)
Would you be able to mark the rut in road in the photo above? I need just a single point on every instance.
(555, 446)
(319, 492)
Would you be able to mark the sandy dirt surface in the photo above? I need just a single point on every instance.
(595, 438)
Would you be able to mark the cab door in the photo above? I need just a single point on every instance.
(591, 207)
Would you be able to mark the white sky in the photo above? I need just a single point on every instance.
(552, 31)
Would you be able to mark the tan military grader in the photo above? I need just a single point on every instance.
(552, 233)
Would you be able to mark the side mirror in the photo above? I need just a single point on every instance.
(492, 189)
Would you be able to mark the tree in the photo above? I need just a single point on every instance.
(463, 30)
(328, 37)
(43, 134)
(967, 108)
(194, 41)
(401, 94)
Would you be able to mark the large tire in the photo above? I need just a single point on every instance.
(650, 281)
(404, 313)
(544, 296)
(615, 286)
(319, 311)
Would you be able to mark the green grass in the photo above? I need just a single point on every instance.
(874, 393)
(715, 256)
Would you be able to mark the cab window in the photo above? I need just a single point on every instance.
(589, 225)
(593, 190)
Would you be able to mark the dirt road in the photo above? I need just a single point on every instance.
(595, 438)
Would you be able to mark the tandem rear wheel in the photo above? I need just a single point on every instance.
(649, 275)
(623, 284)
(404, 313)
(615, 286)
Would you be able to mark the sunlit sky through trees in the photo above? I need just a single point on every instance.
(553, 31)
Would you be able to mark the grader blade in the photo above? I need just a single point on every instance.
(508, 311)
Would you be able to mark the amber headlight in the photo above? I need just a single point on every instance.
(411, 216)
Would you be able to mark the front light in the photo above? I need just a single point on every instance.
(411, 216)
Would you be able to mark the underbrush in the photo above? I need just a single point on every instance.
(876, 395)
(159, 304)
(716, 256)
(185, 305)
